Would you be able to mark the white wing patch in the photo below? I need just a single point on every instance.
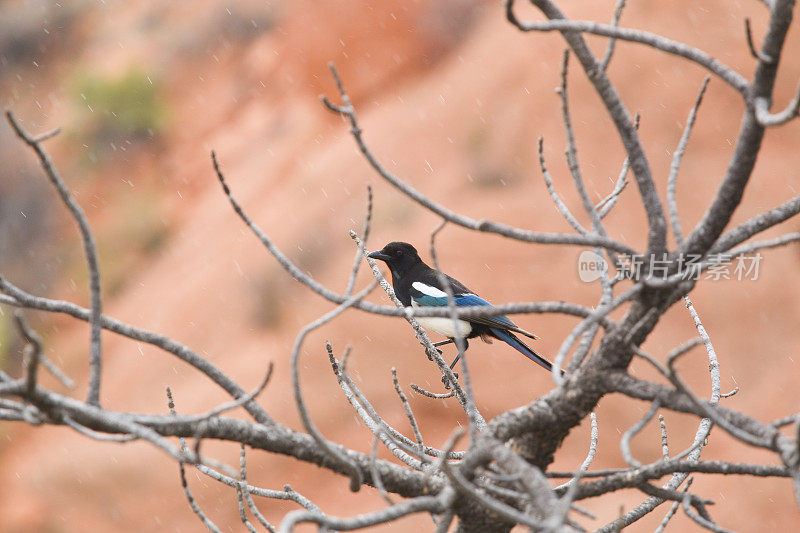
(428, 290)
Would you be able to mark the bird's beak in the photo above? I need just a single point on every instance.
(379, 255)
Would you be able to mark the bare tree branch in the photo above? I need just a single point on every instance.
(731, 77)
(488, 226)
(245, 492)
(751, 134)
(573, 484)
(409, 413)
(24, 299)
(656, 243)
(672, 181)
(355, 473)
(182, 469)
(757, 224)
(749, 36)
(89, 247)
(613, 40)
(766, 119)
(673, 509)
(422, 504)
(625, 442)
(560, 205)
(33, 352)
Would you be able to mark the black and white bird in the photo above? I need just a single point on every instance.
(418, 285)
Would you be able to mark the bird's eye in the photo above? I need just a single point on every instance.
(398, 253)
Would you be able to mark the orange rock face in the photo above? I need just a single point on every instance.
(452, 99)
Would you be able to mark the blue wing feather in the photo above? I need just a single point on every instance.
(462, 300)
(466, 300)
(424, 300)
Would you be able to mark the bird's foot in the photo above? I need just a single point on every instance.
(429, 355)
(446, 380)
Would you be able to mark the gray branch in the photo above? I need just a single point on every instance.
(89, 247)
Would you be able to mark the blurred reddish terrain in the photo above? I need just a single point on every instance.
(452, 99)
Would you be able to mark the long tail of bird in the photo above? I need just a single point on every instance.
(513, 341)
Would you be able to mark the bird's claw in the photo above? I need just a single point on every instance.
(446, 380)
(427, 353)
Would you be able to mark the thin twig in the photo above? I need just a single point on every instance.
(605, 205)
(672, 180)
(421, 504)
(730, 76)
(748, 33)
(451, 216)
(33, 352)
(673, 509)
(376, 475)
(243, 489)
(24, 299)
(757, 224)
(242, 510)
(473, 415)
(57, 372)
(572, 152)
(409, 413)
(241, 400)
(286, 494)
(433, 395)
(103, 437)
(704, 522)
(560, 205)
(565, 504)
(365, 229)
(186, 490)
(399, 445)
(349, 465)
(90, 250)
(625, 442)
(766, 244)
(767, 119)
(612, 40)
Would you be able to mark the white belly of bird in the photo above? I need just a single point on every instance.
(445, 326)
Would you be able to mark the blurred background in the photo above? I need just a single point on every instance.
(452, 99)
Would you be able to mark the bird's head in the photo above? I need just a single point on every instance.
(399, 256)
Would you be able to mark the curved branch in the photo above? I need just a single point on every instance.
(639, 475)
(355, 474)
(672, 181)
(657, 222)
(275, 439)
(483, 225)
(422, 504)
(751, 134)
(89, 248)
(24, 299)
(766, 119)
(756, 225)
(727, 74)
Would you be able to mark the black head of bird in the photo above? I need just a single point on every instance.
(399, 256)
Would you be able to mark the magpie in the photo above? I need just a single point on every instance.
(418, 285)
